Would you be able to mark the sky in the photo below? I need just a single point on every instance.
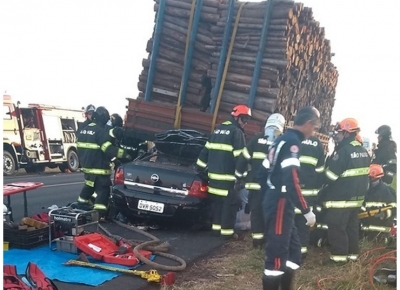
(73, 53)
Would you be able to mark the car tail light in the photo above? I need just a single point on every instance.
(119, 176)
(198, 189)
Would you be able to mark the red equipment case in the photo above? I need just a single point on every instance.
(101, 248)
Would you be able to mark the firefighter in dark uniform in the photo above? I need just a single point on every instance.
(312, 163)
(385, 154)
(283, 249)
(218, 158)
(379, 196)
(347, 183)
(88, 115)
(115, 127)
(253, 155)
(95, 151)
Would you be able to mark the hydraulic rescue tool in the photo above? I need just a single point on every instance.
(150, 276)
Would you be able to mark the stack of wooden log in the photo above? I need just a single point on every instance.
(171, 53)
(296, 68)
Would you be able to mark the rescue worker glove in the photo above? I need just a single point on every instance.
(310, 217)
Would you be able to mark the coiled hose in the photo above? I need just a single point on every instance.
(388, 256)
(156, 246)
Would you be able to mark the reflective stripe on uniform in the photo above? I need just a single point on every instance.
(105, 146)
(266, 164)
(89, 183)
(223, 177)
(320, 169)
(308, 160)
(120, 153)
(97, 171)
(111, 132)
(216, 227)
(99, 206)
(201, 163)
(87, 145)
(290, 162)
(355, 172)
(343, 204)
(217, 191)
(227, 232)
(273, 273)
(259, 155)
(352, 257)
(379, 204)
(331, 175)
(219, 146)
(292, 265)
(309, 192)
(339, 258)
(304, 250)
(297, 211)
(322, 226)
(246, 153)
(82, 200)
(252, 186)
(392, 161)
(372, 228)
(94, 195)
(238, 174)
(236, 153)
(257, 236)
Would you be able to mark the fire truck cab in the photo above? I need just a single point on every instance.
(39, 136)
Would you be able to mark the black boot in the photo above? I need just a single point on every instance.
(287, 280)
(271, 282)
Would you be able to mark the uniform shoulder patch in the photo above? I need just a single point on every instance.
(294, 149)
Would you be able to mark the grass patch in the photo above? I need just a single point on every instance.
(239, 267)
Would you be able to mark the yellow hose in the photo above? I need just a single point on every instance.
(177, 122)
(228, 59)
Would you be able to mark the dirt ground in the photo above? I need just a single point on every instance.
(237, 266)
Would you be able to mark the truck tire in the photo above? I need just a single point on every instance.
(9, 166)
(72, 164)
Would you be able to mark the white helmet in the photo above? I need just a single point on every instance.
(274, 126)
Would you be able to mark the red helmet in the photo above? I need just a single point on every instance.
(376, 171)
(241, 110)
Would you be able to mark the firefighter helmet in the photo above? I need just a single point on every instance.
(90, 109)
(376, 171)
(116, 120)
(276, 120)
(384, 131)
(349, 125)
(241, 110)
(101, 115)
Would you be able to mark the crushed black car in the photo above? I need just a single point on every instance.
(162, 185)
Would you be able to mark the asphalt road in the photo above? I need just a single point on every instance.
(61, 189)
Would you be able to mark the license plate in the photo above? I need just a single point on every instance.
(151, 206)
